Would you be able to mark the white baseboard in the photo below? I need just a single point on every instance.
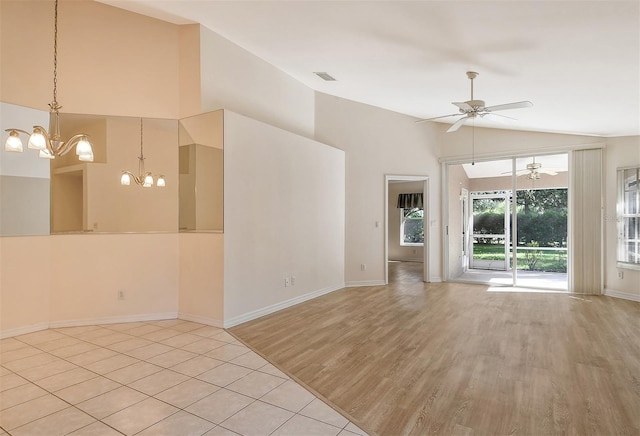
(623, 295)
(24, 330)
(113, 320)
(435, 279)
(88, 321)
(201, 319)
(279, 306)
(365, 283)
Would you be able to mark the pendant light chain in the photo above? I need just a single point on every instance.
(141, 171)
(473, 141)
(50, 144)
(54, 104)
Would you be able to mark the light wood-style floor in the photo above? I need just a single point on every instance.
(454, 359)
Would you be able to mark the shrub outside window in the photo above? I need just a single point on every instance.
(628, 219)
(412, 226)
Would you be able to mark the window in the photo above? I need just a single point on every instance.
(412, 226)
(629, 218)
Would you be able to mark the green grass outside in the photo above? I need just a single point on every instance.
(530, 260)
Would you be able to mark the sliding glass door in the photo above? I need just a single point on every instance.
(514, 225)
(490, 239)
(541, 205)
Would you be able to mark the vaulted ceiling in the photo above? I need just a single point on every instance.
(577, 61)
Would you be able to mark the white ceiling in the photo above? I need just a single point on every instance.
(577, 61)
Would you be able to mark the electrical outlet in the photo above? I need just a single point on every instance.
(121, 294)
(620, 274)
(287, 282)
(293, 280)
(363, 267)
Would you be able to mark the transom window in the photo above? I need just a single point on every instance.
(629, 218)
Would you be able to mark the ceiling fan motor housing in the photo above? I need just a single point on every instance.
(476, 105)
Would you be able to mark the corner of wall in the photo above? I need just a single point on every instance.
(189, 80)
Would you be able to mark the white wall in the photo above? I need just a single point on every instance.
(620, 153)
(283, 216)
(378, 142)
(110, 61)
(25, 283)
(202, 277)
(235, 79)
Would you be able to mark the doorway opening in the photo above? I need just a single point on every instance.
(513, 216)
(406, 229)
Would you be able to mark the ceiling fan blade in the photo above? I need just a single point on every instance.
(436, 118)
(518, 172)
(497, 115)
(463, 105)
(457, 124)
(502, 107)
(551, 173)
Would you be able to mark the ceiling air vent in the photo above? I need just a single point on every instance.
(325, 76)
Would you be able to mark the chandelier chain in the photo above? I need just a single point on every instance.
(141, 153)
(50, 144)
(55, 54)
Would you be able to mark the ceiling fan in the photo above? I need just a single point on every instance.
(533, 171)
(476, 108)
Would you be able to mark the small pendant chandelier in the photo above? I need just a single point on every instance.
(145, 179)
(50, 144)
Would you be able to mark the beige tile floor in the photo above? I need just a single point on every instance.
(169, 377)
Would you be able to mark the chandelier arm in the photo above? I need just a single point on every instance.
(18, 130)
(47, 141)
(137, 179)
(65, 147)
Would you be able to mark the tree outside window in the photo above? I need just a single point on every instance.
(412, 226)
(629, 218)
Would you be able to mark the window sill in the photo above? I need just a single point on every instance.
(408, 244)
(625, 265)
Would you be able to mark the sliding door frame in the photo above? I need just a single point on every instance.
(458, 160)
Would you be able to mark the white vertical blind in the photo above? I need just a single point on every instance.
(586, 222)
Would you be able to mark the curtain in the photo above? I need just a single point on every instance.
(586, 223)
(410, 201)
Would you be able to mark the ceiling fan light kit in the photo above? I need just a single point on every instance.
(473, 108)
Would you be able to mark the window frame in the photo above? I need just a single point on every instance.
(621, 218)
(402, 221)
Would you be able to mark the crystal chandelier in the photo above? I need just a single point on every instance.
(50, 144)
(143, 178)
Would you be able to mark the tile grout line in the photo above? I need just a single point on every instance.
(139, 360)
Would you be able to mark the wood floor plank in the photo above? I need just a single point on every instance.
(415, 358)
